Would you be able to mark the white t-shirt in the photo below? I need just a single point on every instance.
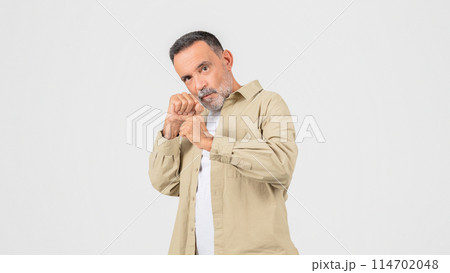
(204, 224)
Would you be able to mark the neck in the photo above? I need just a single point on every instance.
(236, 85)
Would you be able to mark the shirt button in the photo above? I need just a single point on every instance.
(196, 169)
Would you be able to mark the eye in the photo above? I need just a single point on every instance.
(205, 68)
(187, 78)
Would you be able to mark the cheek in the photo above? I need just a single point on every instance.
(190, 87)
(213, 79)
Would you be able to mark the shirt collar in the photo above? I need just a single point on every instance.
(249, 90)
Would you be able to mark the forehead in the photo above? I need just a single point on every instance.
(188, 59)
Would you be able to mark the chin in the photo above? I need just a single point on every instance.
(215, 104)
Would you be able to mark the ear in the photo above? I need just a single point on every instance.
(227, 59)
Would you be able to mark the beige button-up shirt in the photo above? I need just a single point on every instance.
(253, 157)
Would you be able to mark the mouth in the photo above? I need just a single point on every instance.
(207, 96)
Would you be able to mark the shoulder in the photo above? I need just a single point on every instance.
(271, 101)
(267, 95)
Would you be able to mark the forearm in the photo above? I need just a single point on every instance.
(262, 161)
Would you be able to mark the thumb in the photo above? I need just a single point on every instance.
(199, 108)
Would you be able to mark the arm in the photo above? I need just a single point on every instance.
(270, 161)
(164, 165)
(164, 161)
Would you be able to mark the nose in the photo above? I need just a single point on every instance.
(200, 84)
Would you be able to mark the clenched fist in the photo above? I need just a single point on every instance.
(181, 106)
(194, 129)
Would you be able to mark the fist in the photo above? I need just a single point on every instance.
(184, 104)
(194, 129)
(181, 106)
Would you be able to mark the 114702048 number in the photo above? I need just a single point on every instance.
(404, 264)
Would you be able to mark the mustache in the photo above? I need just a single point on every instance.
(205, 92)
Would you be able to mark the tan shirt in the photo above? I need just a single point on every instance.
(252, 162)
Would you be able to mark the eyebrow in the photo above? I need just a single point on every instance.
(198, 66)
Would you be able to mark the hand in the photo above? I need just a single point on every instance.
(181, 106)
(194, 129)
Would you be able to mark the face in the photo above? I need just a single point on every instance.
(207, 76)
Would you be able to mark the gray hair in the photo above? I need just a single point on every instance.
(188, 39)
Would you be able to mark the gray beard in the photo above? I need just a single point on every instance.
(224, 92)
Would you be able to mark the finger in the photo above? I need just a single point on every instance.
(190, 102)
(176, 102)
(199, 108)
(183, 132)
(183, 127)
(196, 99)
(183, 104)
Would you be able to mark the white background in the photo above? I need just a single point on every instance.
(375, 75)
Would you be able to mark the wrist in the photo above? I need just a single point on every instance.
(171, 130)
(168, 136)
(207, 143)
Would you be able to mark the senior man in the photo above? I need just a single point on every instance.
(228, 152)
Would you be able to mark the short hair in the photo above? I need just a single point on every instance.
(188, 39)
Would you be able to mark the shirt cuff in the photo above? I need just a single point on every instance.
(166, 146)
(222, 151)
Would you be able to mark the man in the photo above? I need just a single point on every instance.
(228, 152)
